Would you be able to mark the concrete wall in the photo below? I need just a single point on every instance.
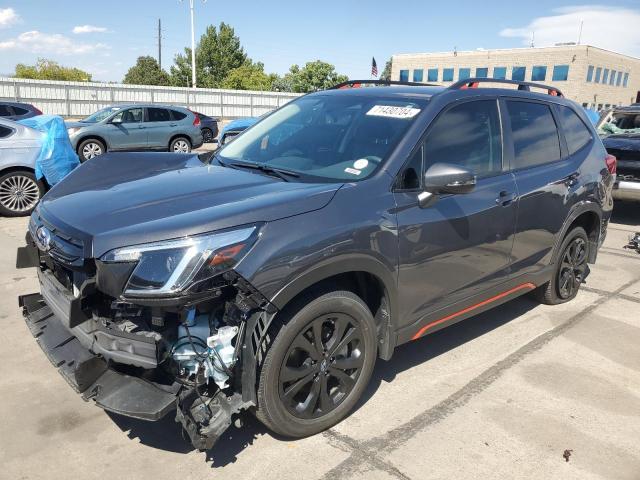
(578, 57)
(79, 99)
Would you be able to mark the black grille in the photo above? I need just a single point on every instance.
(64, 248)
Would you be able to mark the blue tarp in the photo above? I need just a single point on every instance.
(57, 157)
(593, 115)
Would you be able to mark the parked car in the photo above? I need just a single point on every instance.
(269, 275)
(234, 128)
(18, 110)
(622, 139)
(208, 126)
(136, 127)
(19, 148)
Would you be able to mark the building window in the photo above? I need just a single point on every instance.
(432, 74)
(612, 80)
(518, 73)
(404, 75)
(500, 73)
(605, 76)
(447, 74)
(598, 73)
(619, 80)
(625, 82)
(539, 73)
(590, 73)
(417, 75)
(560, 73)
(464, 73)
(482, 72)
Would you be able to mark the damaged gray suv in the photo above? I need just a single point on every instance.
(270, 275)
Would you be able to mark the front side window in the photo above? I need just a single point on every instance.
(518, 73)
(326, 137)
(417, 75)
(575, 131)
(500, 73)
(539, 73)
(590, 73)
(433, 74)
(447, 75)
(598, 74)
(158, 115)
(404, 75)
(482, 72)
(130, 115)
(560, 73)
(468, 135)
(534, 132)
(464, 73)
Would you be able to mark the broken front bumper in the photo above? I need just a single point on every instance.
(89, 374)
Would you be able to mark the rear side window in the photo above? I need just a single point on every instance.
(5, 131)
(467, 135)
(575, 131)
(159, 115)
(178, 115)
(5, 111)
(535, 135)
(20, 110)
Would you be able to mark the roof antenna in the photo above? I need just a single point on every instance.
(580, 32)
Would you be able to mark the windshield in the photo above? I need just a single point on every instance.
(100, 115)
(326, 137)
(622, 122)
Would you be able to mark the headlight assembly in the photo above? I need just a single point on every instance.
(170, 267)
(73, 130)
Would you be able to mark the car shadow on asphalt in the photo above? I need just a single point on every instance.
(167, 435)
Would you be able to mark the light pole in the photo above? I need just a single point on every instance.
(193, 46)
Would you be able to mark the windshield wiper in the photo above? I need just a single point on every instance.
(273, 171)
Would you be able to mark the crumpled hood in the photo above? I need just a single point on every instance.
(121, 199)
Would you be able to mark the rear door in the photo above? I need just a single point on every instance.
(461, 245)
(125, 130)
(160, 127)
(546, 177)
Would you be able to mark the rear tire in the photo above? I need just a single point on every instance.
(20, 192)
(318, 365)
(569, 271)
(180, 145)
(207, 135)
(90, 148)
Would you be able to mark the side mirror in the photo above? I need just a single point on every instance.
(445, 178)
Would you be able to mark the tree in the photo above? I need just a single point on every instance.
(386, 73)
(217, 53)
(146, 71)
(249, 76)
(313, 76)
(49, 70)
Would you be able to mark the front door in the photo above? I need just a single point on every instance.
(125, 130)
(461, 245)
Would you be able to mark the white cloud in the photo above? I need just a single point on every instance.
(8, 17)
(46, 43)
(88, 29)
(612, 28)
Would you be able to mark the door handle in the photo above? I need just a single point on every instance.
(141, 126)
(173, 125)
(505, 198)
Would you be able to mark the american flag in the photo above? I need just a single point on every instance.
(374, 67)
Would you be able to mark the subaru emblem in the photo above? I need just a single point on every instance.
(43, 239)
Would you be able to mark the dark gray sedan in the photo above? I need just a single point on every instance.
(136, 127)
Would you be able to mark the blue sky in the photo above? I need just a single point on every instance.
(106, 37)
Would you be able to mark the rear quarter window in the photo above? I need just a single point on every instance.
(5, 131)
(20, 110)
(178, 115)
(534, 133)
(575, 131)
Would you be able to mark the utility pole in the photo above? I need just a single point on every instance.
(193, 49)
(160, 44)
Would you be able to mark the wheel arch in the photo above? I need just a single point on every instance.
(587, 215)
(92, 136)
(179, 135)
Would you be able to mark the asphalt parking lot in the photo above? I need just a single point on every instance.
(507, 394)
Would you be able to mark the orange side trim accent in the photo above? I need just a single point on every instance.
(528, 286)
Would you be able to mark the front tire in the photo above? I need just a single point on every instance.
(318, 365)
(180, 145)
(570, 269)
(20, 192)
(90, 148)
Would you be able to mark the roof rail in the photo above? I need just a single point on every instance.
(475, 82)
(359, 83)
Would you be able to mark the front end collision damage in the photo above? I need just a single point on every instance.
(124, 360)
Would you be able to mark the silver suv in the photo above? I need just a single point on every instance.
(136, 127)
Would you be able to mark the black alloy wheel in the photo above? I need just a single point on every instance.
(572, 268)
(321, 366)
